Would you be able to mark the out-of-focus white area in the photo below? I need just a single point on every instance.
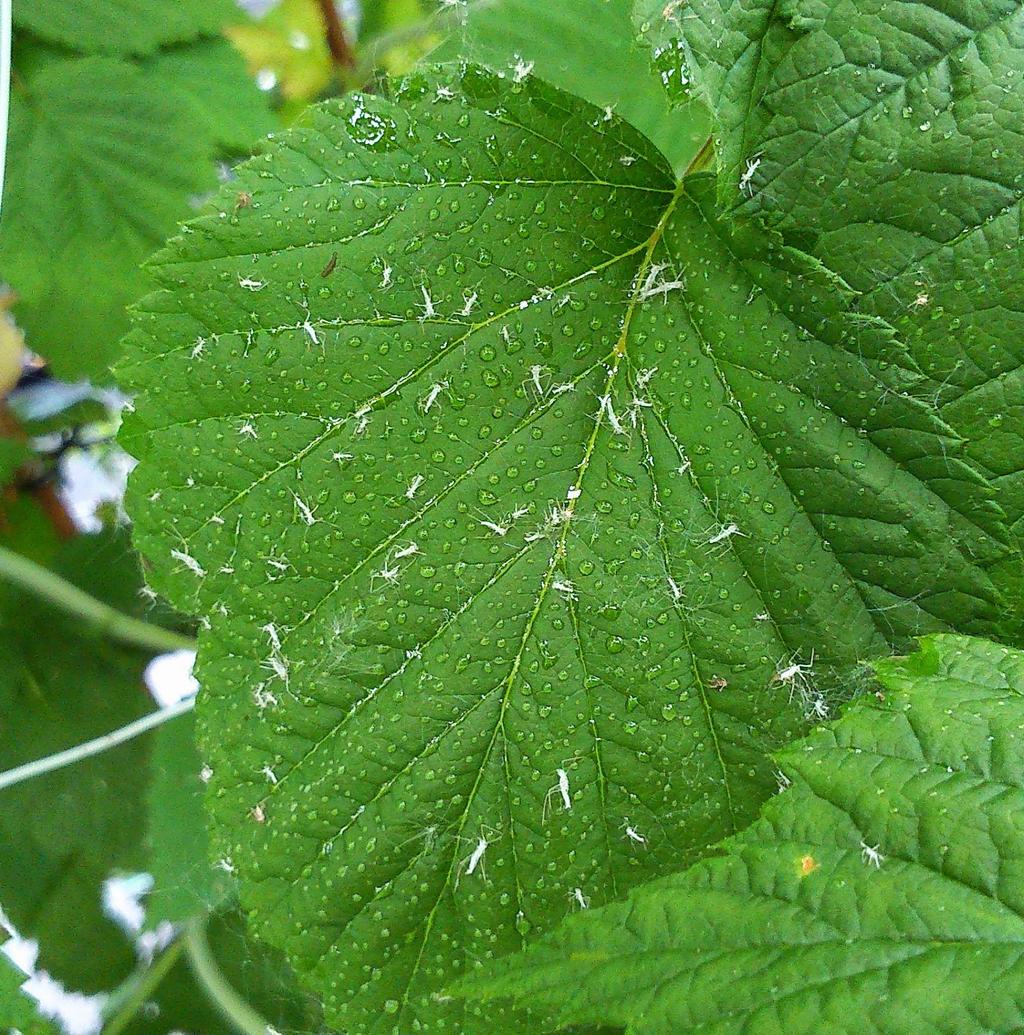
(73, 1012)
(90, 479)
(122, 900)
(122, 903)
(76, 1014)
(169, 677)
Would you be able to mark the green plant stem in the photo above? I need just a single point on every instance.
(94, 747)
(105, 619)
(231, 1005)
(130, 998)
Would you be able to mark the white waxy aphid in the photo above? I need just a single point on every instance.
(494, 527)
(606, 407)
(817, 706)
(636, 404)
(763, 617)
(565, 587)
(269, 774)
(627, 159)
(563, 388)
(263, 698)
(431, 397)
(406, 551)
(341, 457)
(633, 834)
(559, 516)
(190, 562)
(643, 379)
(573, 492)
(310, 331)
(683, 467)
(725, 532)
(248, 430)
(304, 510)
(782, 780)
(562, 787)
(871, 856)
(362, 418)
(608, 113)
(226, 865)
(580, 899)
(206, 774)
(469, 304)
(475, 858)
(198, 348)
(753, 164)
(535, 376)
(521, 69)
(278, 666)
(429, 312)
(387, 574)
(250, 284)
(271, 630)
(794, 671)
(147, 592)
(654, 284)
(257, 812)
(674, 588)
(520, 511)
(414, 486)
(506, 335)
(385, 277)
(443, 93)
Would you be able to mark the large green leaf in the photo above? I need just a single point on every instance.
(890, 139)
(122, 26)
(879, 894)
(512, 485)
(586, 48)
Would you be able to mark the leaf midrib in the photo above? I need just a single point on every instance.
(557, 555)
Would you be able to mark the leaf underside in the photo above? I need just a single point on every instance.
(879, 894)
(487, 452)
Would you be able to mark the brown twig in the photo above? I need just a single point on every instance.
(341, 52)
(44, 494)
(702, 159)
